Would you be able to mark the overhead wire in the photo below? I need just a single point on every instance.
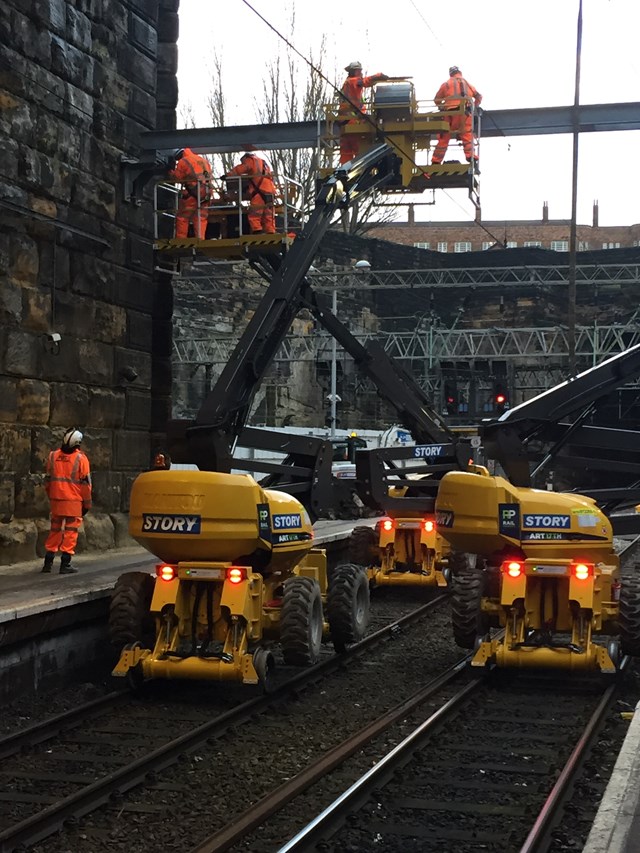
(367, 118)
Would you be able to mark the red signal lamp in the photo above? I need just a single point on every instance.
(166, 572)
(236, 575)
(582, 571)
(512, 568)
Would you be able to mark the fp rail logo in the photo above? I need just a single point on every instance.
(509, 519)
(170, 523)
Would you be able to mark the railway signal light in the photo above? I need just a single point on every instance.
(500, 397)
(450, 398)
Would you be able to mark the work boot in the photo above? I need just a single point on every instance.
(48, 561)
(65, 565)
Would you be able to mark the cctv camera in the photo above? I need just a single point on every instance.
(362, 266)
(128, 374)
(53, 337)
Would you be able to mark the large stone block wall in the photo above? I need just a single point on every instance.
(79, 80)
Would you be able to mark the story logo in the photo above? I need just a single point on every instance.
(286, 522)
(426, 451)
(556, 522)
(171, 523)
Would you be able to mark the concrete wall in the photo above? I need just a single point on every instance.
(79, 80)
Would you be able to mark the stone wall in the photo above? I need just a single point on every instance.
(79, 80)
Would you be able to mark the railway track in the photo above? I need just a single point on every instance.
(489, 770)
(67, 767)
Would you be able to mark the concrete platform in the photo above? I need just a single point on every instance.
(616, 828)
(25, 591)
(54, 627)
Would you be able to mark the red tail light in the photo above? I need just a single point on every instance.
(429, 525)
(513, 568)
(582, 571)
(165, 572)
(387, 524)
(236, 575)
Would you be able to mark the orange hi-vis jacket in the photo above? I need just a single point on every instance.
(449, 96)
(194, 173)
(260, 177)
(352, 89)
(68, 483)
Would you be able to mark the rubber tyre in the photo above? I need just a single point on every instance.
(363, 547)
(458, 563)
(301, 621)
(629, 616)
(347, 605)
(466, 617)
(130, 619)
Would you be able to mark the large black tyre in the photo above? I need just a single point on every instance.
(629, 616)
(130, 619)
(458, 564)
(466, 597)
(347, 605)
(301, 621)
(363, 547)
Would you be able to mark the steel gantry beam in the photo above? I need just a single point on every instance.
(463, 277)
(305, 134)
(432, 345)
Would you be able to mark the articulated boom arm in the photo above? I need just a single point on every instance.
(509, 439)
(392, 382)
(211, 437)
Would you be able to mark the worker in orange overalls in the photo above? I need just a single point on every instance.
(194, 173)
(68, 487)
(260, 192)
(352, 106)
(449, 97)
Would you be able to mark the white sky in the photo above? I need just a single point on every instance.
(517, 53)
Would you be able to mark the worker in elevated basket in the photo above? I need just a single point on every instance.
(450, 96)
(352, 106)
(260, 190)
(193, 172)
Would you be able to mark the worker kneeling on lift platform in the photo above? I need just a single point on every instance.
(238, 570)
(546, 572)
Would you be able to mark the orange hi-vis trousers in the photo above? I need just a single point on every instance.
(64, 534)
(187, 213)
(461, 126)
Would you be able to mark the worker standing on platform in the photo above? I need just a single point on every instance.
(352, 107)
(260, 192)
(450, 96)
(68, 487)
(194, 173)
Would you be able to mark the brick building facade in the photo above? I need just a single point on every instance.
(544, 233)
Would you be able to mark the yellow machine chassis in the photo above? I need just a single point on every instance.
(245, 617)
(391, 547)
(584, 609)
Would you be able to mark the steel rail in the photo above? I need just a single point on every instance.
(377, 777)
(538, 838)
(87, 799)
(273, 802)
(38, 732)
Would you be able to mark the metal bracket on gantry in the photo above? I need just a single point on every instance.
(137, 174)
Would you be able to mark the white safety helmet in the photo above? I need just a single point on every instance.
(353, 66)
(72, 438)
